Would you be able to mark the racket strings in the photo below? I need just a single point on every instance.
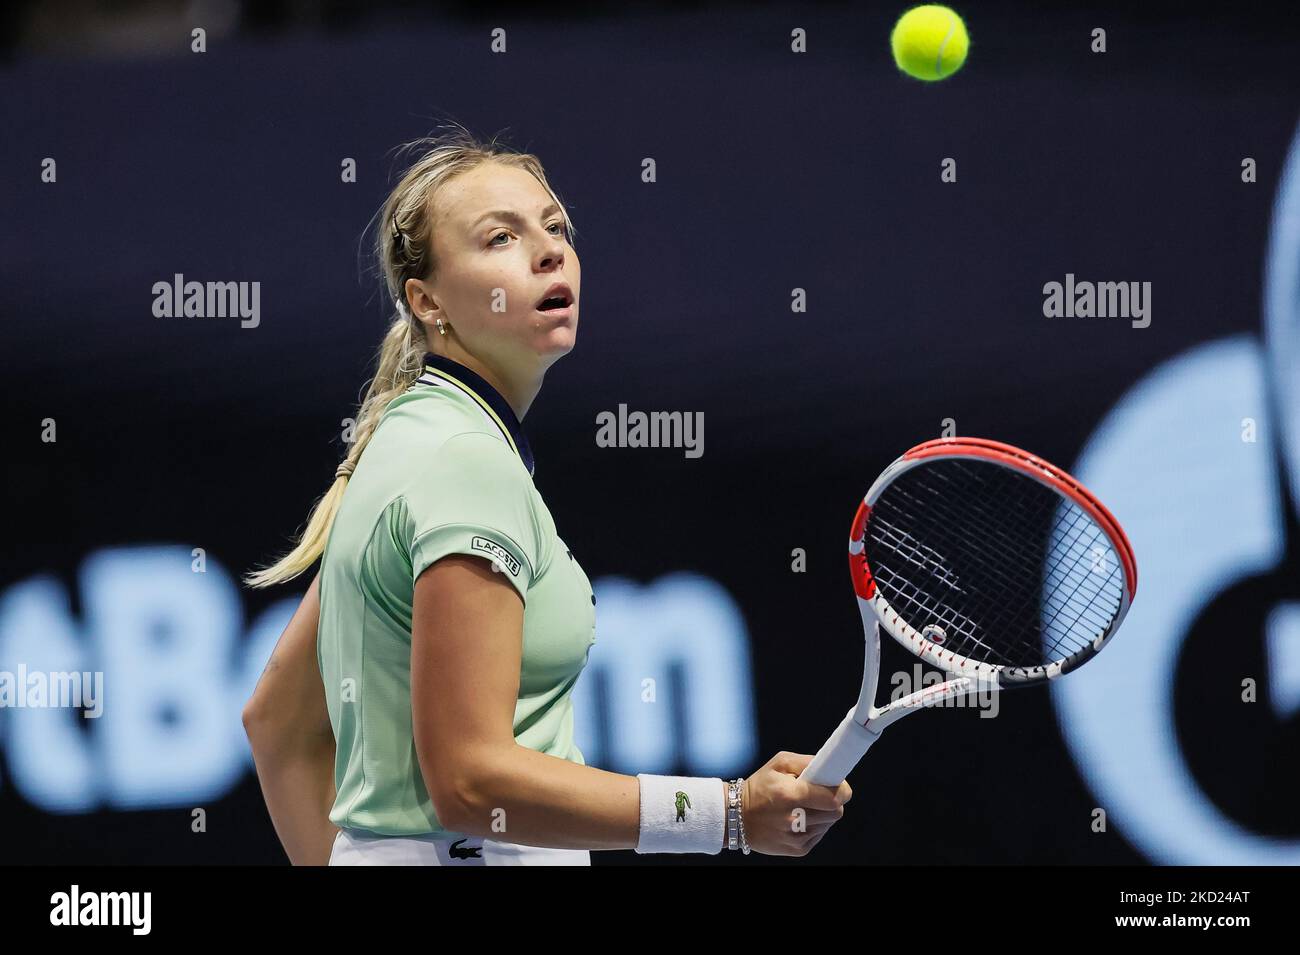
(1082, 531)
(927, 606)
(904, 590)
(1089, 557)
(908, 509)
(1012, 608)
(962, 631)
(1015, 574)
(932, 502)
(1069, 564)
(1071, 533)
(1091, 604)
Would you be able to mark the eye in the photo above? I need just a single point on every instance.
(563, 227)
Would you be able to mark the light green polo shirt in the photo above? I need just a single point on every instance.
(447, 471)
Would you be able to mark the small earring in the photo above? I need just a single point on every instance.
(441, 330)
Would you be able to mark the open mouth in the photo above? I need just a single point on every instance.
(558, 296)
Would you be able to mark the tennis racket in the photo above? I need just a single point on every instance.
(986, 562)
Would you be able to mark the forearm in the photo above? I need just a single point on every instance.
(522, 796)
(298, 785)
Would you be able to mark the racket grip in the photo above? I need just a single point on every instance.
(839, 754)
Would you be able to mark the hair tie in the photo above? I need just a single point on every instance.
(345, 469)
(399, 237)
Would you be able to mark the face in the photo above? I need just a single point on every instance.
(500, 243)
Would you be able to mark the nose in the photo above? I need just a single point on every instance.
(552, 254)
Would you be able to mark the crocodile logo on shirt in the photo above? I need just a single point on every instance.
(683, 803)
(455, 852)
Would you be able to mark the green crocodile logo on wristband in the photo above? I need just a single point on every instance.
(683, 803)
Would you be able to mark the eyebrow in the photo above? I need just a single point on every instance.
(511, 216)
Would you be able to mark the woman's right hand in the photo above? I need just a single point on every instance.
(785, 815)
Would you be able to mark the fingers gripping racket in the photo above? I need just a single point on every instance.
(986, 562)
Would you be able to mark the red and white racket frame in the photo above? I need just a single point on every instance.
(864, 722)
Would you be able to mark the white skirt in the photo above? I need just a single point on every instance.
(358, 847)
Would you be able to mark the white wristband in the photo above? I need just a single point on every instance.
(682, 814)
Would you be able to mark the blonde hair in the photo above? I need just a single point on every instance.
(403, 250)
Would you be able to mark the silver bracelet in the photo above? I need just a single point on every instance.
(740, 788)
(733, 815)
(736, 816)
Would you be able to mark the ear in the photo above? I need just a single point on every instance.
(420, 301)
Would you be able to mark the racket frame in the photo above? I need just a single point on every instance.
(1048, 475)
(864, 722)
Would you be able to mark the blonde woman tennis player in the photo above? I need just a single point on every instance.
(417, 708)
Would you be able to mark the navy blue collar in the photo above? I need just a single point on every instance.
(453, 373)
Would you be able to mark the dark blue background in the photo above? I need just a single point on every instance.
(775, 171)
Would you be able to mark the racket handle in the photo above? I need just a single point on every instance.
(840, 753)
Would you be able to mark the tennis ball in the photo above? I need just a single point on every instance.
(929, 42)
